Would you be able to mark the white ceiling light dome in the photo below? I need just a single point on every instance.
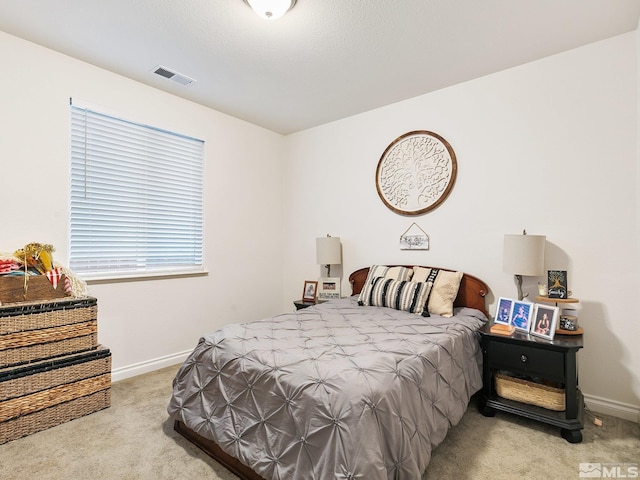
(271, 9)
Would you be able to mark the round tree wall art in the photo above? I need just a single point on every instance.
(416, 172)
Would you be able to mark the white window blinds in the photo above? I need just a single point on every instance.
(136, 198)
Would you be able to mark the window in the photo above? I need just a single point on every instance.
(136, 199)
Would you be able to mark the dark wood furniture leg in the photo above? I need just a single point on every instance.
(214, 451)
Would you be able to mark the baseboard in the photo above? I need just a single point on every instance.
(612, 407)
(129, 371)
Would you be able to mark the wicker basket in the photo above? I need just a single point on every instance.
(45, 394)
(43, 419)
(529, 392)
(33, 331)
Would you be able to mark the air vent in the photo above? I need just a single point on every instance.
(174, 76)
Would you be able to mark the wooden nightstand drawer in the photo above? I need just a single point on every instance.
(528, 360)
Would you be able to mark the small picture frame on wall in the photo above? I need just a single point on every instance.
(545, 320)
(414, 238)
(521, 316)
(504, 311)
(329, 288)
(310, 291)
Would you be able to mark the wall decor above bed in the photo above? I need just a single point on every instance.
(414, 238)
(416, 172)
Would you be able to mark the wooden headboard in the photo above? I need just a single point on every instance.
(472, 290)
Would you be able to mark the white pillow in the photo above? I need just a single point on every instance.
(444, 291)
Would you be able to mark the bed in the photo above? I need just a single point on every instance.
(345, 389)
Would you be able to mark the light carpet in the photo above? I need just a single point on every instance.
(134, 439)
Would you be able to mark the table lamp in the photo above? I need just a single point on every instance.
(328, 252)
(523, 255)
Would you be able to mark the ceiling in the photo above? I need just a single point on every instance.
(325, 59)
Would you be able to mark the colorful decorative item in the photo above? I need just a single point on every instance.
(30, 274)
(557, 281)
(36, 255)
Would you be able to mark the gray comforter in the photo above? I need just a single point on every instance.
(334, 391)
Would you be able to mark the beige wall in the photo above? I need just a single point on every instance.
(146, 324)
(550, 146)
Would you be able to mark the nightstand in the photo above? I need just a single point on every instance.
(300, 304)
(526, 355)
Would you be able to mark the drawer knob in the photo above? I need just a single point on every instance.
(523, 358)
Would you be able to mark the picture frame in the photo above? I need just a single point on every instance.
(557, 284)
(504, 310)
(309, 291)
(545, 321)
(328, 288)
(521, 315)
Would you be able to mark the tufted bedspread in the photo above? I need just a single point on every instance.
(333, 391)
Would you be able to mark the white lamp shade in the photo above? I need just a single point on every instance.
(328, 251)
(524, 254)
(271, 9)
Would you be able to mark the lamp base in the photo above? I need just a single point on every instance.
(518, 279)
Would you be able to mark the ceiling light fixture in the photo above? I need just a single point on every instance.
(271, 9)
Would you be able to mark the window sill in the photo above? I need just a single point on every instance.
(139, 277)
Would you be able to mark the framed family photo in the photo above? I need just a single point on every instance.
(545, 320)
(521, 315)
(310, 291)
(329, 288)
(503, 311)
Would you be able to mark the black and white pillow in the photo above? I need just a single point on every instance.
(398, 294)
(394, 273)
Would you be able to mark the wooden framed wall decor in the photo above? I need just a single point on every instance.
(416, 173)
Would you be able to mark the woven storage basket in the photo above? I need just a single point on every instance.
(529, 392)
(38, 421)
(33, 331)
(45, 394)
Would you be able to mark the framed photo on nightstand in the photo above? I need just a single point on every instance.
(503, 311)
(545, 320)
(310, 290)
(329, 288)
(557, 283)
(521, 316)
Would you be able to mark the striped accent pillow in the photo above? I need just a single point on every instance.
(398, 294)
(394, 273)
